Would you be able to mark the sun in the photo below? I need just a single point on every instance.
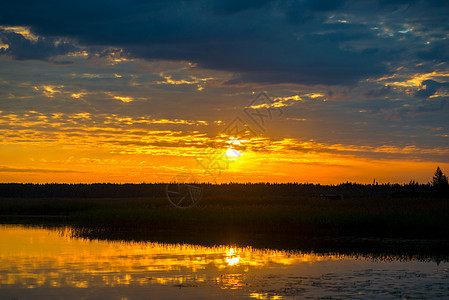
(232, 154)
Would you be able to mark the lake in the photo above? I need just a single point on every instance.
(38, 263)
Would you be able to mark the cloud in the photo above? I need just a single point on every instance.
(379, 92)
(22, 170)
(236, 6)
(438, 52)
(431, 88)
(22, 48)
(269, 42)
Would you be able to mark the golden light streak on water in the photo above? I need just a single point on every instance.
(41, 263)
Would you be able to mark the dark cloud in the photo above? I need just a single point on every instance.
(21, 48)
(434, 106)
(305, 42)
(431, 87)
(439, 52)
(324, 5)
(379, 92)
(236, 6)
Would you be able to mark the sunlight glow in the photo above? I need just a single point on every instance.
(232, 258)
(124, 99)
(232, 154)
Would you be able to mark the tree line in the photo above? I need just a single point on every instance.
(438, 187)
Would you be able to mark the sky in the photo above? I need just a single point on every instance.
(224, 91)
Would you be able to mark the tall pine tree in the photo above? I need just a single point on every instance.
(440, 184)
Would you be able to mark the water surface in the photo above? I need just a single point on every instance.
(50, 264)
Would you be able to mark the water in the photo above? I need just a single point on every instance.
(40, 263)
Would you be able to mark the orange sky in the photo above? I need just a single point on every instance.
(85, 153)
(113, 117)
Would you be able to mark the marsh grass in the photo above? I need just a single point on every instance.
(378, 227)
(229, 215)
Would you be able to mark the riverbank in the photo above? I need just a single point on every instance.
(386, 217)
(372, 226)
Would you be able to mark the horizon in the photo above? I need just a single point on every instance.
(223, 183)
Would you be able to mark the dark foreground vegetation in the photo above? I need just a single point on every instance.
(228, 214)
(265, 215)
(296, 210)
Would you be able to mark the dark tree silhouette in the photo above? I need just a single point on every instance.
(440, 184)
(414, 189)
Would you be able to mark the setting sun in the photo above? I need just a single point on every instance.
(232, 154)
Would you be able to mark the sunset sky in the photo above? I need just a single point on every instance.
(279, 91)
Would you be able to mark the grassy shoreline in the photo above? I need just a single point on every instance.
(377, 227)
(422, 218)
(379, 249)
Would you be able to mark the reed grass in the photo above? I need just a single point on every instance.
(292, 216)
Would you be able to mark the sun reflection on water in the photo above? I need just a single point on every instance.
(38, 257)
(35, 258)
(232, 258)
